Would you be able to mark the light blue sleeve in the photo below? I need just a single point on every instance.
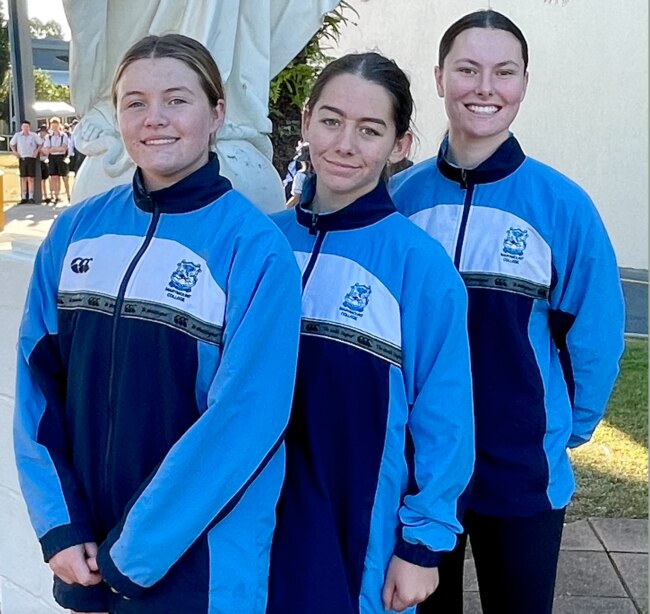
(211, 466)
(57, 508)
(441, 424)
(587, 316)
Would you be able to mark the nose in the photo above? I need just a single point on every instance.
(484, 84)
(347, 139)
(156, 115)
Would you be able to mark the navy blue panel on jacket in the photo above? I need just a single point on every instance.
(517, 420)
(138, 425)
(375, 370)
(545, 316)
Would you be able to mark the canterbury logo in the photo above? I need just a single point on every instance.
(81, 265)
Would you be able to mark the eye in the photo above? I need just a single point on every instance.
(176, 101)
(505, 73)
(368, 131)
(466, 70)
(330, 121)
(133, 104)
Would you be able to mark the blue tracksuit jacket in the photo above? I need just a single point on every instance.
(380, 443)
(155, 375)
(545, 316)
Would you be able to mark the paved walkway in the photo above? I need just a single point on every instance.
(603, 563)
(603, 569)
(26, 225)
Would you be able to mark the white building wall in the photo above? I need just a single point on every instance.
(586, 109)
(25, 580)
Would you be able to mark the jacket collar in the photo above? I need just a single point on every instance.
(200, 188)
(504, 161)
(366, 210)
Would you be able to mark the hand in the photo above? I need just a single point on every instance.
(407, 584)
(77, 565)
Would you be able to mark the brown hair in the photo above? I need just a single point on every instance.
(378, 69)
(481, 19)
(178, 47)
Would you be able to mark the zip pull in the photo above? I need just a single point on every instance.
(463, 179)
(314, 222)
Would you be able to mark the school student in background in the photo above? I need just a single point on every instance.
(56, 147)
(43, 161)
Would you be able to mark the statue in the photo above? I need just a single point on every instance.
(251, 41)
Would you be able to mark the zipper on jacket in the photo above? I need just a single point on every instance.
(119, 301)
(312, 225)
(464, 185)
(314, 255)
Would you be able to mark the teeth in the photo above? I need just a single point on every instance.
(484, 110)
(159, 141)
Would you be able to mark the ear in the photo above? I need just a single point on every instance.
(438, 74)
(401, 148)
(218, 116)
(306, 121)
(523, 93)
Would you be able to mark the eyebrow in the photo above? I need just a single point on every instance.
(373, 120)
(169, 90)
(474, 63)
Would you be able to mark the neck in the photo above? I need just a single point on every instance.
(326, 201)
(469, 154)
(329, 204)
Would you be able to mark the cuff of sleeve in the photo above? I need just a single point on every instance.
(416, 554)
(60, 538)
(576, 440)
(117, 581)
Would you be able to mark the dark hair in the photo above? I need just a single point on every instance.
(378, 69)
(25, 121)
(481, 19)
(178, 47)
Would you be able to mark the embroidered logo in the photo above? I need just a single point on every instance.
(183, 279)
(355, 301)
(514, 245)
(81, 265)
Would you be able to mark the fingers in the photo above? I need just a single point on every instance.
(70, 565)
(387, 594)
(92, 563)
(399, 605)
(85, 576)
(91, 555)
(393, 600)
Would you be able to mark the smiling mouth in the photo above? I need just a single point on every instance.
(481, 109)
(341, 165)
(159, 141)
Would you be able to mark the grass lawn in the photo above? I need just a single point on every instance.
(612, 469)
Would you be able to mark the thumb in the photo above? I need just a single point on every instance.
(91, 555)
(92, 564)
